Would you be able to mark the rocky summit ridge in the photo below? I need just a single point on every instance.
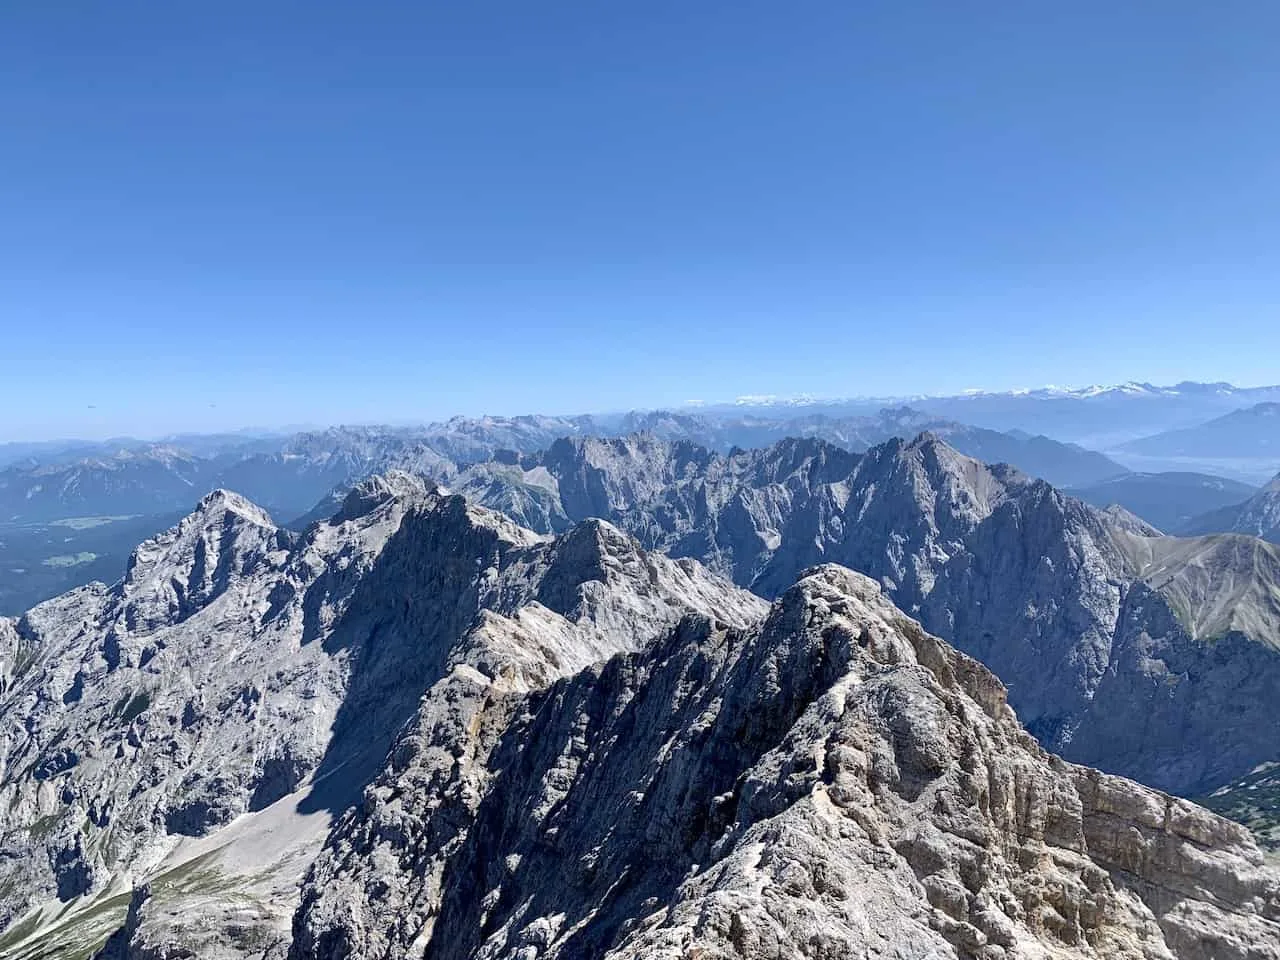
(830, 781)
(238, 666)
(419, 729)
(1154, 657)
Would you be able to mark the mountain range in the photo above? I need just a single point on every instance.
(1259, 516)
(1078, 610)
(421, 729)
(291, 474)
(608, 686)
(1249, 432)
(63, 522)
(1244, 444)
(937, 529)
(1169, 501)
(1100, 417)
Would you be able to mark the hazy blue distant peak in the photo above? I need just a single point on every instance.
(1131, 388)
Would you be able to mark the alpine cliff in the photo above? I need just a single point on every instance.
(239, 671)
(1150, 656)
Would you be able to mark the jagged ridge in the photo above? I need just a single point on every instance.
(237, 667)
(1158, 669)
(831, 782)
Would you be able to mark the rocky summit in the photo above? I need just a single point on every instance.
(418, 729)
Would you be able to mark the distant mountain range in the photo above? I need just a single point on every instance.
(46, 452)
(1250, 432)
(1169, 501)
(1244, 444)
(64, 522)
(1100, 417)
(1259, 516)
(289, 474)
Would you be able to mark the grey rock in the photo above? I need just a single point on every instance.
(829, 782)
(418, 728)
(241, 684)
(1098, 625)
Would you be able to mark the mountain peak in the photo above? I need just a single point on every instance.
(926, 439)
(589, 550)
(174, 573)
(217, 503)
(372, 492)
(834, 577)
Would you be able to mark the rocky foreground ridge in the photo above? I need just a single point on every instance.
(418, 729)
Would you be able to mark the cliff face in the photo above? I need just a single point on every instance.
(245, 683)
(373, 888)
(1149, 656)
(829, 782)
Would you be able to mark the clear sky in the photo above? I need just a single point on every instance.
(222, 214)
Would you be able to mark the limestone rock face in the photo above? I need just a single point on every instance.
(829, 782)
(373, 891)
(1097, 624)
(241, 684)
(163, 707)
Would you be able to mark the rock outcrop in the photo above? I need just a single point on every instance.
(830, 782)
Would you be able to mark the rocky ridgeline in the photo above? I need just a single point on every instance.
(238, 667)
(1149, 656)
(1259, 516)
(828, 782)
(419, 729)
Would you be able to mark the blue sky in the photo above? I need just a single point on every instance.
(225, 214)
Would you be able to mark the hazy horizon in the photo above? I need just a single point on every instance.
(799, 403)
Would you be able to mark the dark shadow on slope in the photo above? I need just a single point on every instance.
(421, 594)
(636, 814)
